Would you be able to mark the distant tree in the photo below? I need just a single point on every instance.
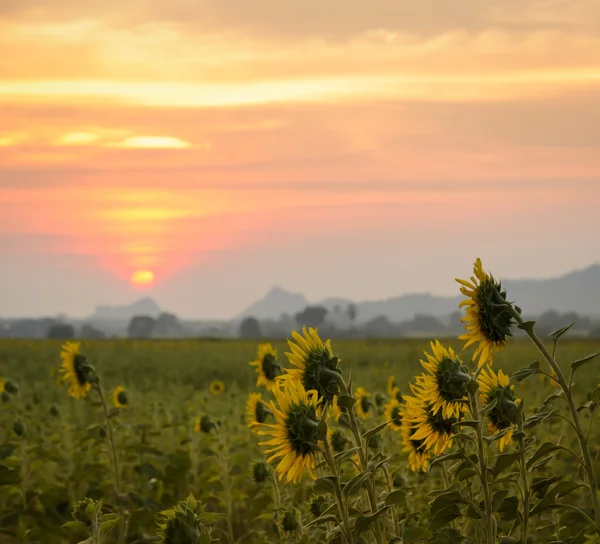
(250, 328)
(167, 325)
(421, 324)
(595, 332)
(141, 326)
(352, 311)
(61, 331)
(87, 331)
(311, 316)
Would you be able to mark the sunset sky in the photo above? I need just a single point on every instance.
(362, 149)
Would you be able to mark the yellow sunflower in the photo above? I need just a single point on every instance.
(217, 387)
(487, 321)
(119, 397)
(391, 386)
(363, 402)
(503, 416)
(434, 430)
(314, 362)
(1, 385)
(393, 413)
(446, 381)
(294, 435)
(334, 411)
(256, 411)
(267, 367)
(75, 370)
(418, 455)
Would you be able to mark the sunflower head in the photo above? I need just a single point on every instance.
(291, 520)
(294, 435)
(267, 367)
(338, 440)
(379, 399)
(496, 388)
(391, 386)
(2, 385)
(393, 414)
(76, 371)
(418, 455)
(363, 402)
(318, 505)
(204, 424)
(217, 387)
(445, 383)
(185, 522)
(314, 362)
(260, 472)
(487, 320)
(119, 396)
(256, 411)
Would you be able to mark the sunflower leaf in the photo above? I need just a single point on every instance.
(346, 401)
(489, 407)
(326, 484)
(527, 326)
(576, 364)
(372, 432)
(524, 373)
(503, 461)
(354, 485)
(558, 333)
(416, 534)
(364, 522)
(395, 497)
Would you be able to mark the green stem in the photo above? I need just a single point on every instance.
(525, 484)
(390, 488)
(277, 501)
(483, 471)
(362, 448)
(342, 507)
(581, 435)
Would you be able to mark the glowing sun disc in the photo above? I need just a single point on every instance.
(142, 278)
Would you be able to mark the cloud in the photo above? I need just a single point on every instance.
(153, 142)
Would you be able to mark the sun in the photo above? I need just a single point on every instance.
(142, 278)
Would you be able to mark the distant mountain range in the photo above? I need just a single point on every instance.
(577, 291)
(144, 306)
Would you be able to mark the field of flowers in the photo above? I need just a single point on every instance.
(371, 441)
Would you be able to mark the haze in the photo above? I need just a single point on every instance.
(357, 149)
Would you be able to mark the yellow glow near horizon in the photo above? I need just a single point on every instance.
(142, 278)
(153, 142)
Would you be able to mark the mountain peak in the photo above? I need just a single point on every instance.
(277, 301)
(143, 306)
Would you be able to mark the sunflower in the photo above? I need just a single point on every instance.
(217, 387)
(363, 402)
(119, 397)
(503, 417)
(418, 455)
(75, 370)
(256, 411)
(487, 320)
(316, 366)
(393, 414)
(204, 424)
(267, 367)
(337, 439)
(435, 430)
(294, 435)
(445, 384)
(1, 385)
(334, 411)
(391, 386)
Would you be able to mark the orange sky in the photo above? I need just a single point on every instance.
(201, 140)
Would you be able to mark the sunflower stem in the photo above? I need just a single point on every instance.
(581, 435)
(390, 488)
(342, 506)
(114, 458)
(525, 483)
(490, 539)
(277, 501)
(362, 448)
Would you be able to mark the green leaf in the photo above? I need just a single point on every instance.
(505, 460)
(595, 396)
(558, 333)
(489, 407)
(448, 456)
(564, 488)
(536, 419)
(395, 497)
(322, 429)
(106, 526)
(346, 401)
(8, 476)
(555, 396)
(354, 485)
(445, 499)
(326, 484)
(468, 423)
(74, 525)
(508, 540)
(364, 522)
(466, 473)
(416, 534)
(473, 386)
(524, 373)
(545, 449)
(590, 405)
(449, 536)
(576, 364)
(498, 498)
(322, 519)
(527, 326)
(372, 432)
(509, 509)
(444, 517)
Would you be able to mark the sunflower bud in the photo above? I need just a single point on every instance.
(291, 519)
(399, 480)
(318, 505)
(206, 424)
(260, 472)
(379, 399)
(86, 511)
(338, 441)
(185, 523)
(19, 428)
(11, 387)
(54, 411)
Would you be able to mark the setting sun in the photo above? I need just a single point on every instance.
(142, 278)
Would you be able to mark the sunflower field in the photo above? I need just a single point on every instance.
(478, 439)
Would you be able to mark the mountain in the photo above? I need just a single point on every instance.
(276, 302)
(577, 291)
(144, 306)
